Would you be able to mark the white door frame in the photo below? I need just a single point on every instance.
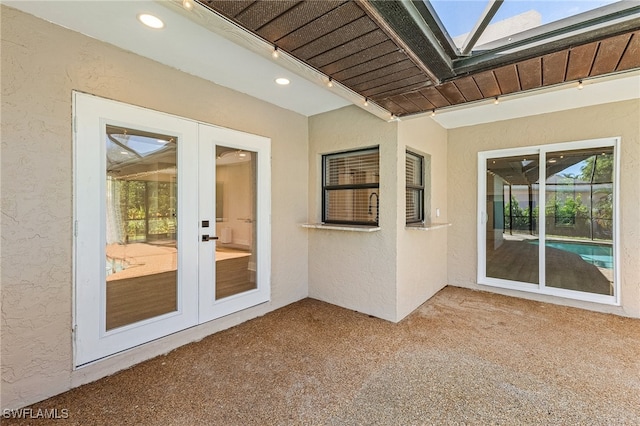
(482, 217)
(91, 114)
(209, 138)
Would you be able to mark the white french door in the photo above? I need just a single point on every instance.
(149, 260)
(234, 221)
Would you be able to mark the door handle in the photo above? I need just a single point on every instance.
(209, 238)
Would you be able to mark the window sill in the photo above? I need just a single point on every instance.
(427, 226)
(335, 227)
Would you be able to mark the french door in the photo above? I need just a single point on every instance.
(548, 219)
(170, 230)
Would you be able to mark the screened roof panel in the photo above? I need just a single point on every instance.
(460, 17)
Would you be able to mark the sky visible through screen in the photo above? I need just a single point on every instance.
(460, 16)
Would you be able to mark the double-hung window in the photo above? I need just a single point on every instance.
(351, 187)
(415, 188)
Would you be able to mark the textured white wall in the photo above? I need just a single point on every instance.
(602, 121)
(355, 270)
(422, 255)
(41, 65)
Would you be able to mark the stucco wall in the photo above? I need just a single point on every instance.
(422, 255)
(41, 65)
(609, 120)
(355, 270)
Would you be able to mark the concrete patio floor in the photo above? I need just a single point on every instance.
(464, 357)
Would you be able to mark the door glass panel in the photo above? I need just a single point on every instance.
(579, 220)
(236, 195)
(141, 205)
(512, 227)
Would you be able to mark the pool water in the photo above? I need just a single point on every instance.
(596, 254)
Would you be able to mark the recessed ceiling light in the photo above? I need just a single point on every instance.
(151, 21)
(282, 81)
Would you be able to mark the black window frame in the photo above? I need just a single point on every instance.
(411, 188)
(327, 188)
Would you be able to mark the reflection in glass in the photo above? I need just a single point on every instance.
(512, 210)
(579, 220)
(236, 210)
(141, 206)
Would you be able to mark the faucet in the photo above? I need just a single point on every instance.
(377, 205)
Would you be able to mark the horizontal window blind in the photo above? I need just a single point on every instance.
(415, 187)
(351, 187)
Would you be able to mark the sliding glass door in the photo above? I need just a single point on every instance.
(548, 219)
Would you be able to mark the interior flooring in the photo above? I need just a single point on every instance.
(148, 286)
(518, 261)
(463, 357)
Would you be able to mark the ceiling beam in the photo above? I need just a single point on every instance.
(484, 20)
(405, 26)
(553, 37)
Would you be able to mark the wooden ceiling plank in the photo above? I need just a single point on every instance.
(396, 76)
(507, 78)
(554, 68)
(631, 57)
(349, 48)
(385, 71)
(401, 86)
(391, 106)
(406, 104)
(296, 17)
(530, 73)
(336, 38)
(580, 60)
(361, 57)
(229, 8)
(451, 92)
(435, 97)
(419, 99)
(262, 12)
(609, 54)
(321, 26)
(487, 84)
(369, 66)
(468, 88)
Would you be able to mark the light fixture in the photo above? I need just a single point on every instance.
(366, 102)
(187, 4)
(580, 85)
(496, 101)
(330, 82)
(282, 81)
(433, 112)
(151, 21)
(275, 52)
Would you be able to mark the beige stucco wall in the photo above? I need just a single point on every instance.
(41, 65)
(422, 255)
(617, 119)
(355, 270)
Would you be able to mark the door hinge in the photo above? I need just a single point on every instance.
(75, 228)
(75, 124)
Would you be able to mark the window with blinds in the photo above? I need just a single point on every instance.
(351, 187)
(415, 188)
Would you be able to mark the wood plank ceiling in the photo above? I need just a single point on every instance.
(352, 44)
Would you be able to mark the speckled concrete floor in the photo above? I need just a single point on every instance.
(464, 357)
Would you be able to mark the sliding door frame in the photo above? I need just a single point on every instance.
(482, 217)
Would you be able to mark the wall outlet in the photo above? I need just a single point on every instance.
(437, 212)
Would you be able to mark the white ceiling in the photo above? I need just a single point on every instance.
(191, 42)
